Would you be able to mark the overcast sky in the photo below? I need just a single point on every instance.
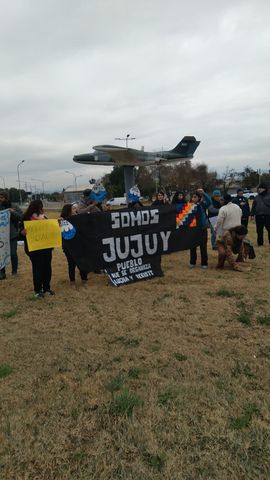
(79, 73)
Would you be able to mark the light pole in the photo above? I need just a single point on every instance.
(42, 183)
(126, 139)
(75, 178)
(3, 178)
(18, 172)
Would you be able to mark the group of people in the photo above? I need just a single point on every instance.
(226, 217)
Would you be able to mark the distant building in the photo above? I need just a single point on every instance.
(71, 195)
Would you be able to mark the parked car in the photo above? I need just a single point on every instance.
(117, 201)
(247, 194)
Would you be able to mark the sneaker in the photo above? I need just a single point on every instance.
(39, 295)
(49, 292)
(14, 274)
(204, 267)
(191, 265)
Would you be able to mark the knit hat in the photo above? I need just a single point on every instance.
(240, 190)
(216, 193)
(263, 185)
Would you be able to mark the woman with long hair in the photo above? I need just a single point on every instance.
(41, 259)
(67, 211)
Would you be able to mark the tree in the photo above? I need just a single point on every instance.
(228, 177)
(114, 182)
(250, 178)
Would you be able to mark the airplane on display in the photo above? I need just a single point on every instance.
(114, 155)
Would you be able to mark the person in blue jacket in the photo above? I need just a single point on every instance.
(202, 200)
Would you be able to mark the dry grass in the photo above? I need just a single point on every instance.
(165, 379)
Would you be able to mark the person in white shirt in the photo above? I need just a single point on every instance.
(229, 216)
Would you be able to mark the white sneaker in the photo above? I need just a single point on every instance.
(191, 265)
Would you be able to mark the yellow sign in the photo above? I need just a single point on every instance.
(41, 234)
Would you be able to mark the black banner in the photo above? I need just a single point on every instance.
(107, 239)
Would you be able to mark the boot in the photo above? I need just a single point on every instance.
(221, 261)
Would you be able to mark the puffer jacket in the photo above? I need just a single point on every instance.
(261, 204)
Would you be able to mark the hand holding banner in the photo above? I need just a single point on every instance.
(41, 234)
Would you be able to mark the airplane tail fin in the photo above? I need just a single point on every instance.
(186, 147)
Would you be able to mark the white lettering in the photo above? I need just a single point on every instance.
(150, 250)
(115, 220)
(122, 255)
(110, 242)
(165, 237)
(138, 239)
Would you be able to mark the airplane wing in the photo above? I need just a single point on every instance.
(121, 155)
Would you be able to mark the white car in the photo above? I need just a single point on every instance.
(117, 201)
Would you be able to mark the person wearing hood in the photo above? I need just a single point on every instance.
(213, 210)
(179, 198)
(229, 216)
(261, 211)
(242, 202)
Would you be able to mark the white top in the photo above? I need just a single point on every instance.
(229, 216)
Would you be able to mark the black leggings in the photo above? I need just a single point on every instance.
(42, 269)
(72, 267)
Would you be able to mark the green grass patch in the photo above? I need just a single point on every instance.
(155, 461)
(261, 301)
(156, 345)
(9, 314)
(180, 357)
(124, 403)
(244, 315)
(5, 370)
(244, 420)
(224, 292)
(115, 384)
(264, 320)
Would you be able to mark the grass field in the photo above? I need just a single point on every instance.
(163, 379)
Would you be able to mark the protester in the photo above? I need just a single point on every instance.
(67, 211)
(15, 217)
(160, 199)
(213, 209)
(135, 205)
(179, 198)
(242, 202)
(202, 200)
(86, 204)
(229, 216)
(41, 259)
(261, 210)
(230, 243)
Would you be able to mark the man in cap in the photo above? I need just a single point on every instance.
(261, 210)
(242, 202)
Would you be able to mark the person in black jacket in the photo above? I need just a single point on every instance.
(261, 210)
(242, 202)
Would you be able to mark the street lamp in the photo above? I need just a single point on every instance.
(3, 178)
(18, 172)
(75, 178)
(126, 139)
